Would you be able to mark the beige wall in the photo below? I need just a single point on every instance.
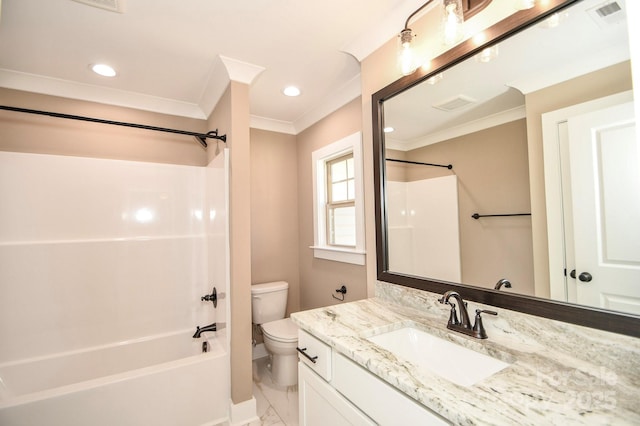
(493, 178)
(48, 135)
(611, 80)
(274, 212)
(320, 278)
(232, 116)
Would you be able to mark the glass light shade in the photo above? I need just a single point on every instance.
(452, 20)
(407, 61)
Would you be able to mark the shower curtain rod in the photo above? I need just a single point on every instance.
(201, 137)
(448, 166)
(478, 216)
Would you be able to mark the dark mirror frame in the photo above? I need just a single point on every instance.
(571, 313)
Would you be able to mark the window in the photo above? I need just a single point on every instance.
(341, 202)
(338, 201)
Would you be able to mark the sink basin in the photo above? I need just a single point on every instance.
(453, 362)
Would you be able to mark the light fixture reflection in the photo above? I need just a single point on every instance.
(435, 79)
(144, 215)
(488, 54)
(554, 20)
(524, 4)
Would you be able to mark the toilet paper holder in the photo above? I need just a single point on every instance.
(343, 291)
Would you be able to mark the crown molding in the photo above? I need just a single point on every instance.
(91, 93)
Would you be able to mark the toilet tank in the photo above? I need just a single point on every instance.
(268, 301)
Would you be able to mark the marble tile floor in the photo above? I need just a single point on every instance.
(276, 405)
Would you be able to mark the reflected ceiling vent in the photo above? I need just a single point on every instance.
(457, 102)
(609, 13)
(111, 5)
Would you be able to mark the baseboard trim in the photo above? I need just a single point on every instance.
(243, 413)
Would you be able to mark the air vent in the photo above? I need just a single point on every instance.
(111, 5)
(608, 9)
(608, 13)
(457, 102)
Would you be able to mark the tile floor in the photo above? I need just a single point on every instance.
(276, 405)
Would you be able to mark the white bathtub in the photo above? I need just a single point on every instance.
(162, 380)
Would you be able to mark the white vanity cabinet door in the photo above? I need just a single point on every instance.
(321, 405)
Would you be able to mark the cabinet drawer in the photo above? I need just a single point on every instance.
(315, 354)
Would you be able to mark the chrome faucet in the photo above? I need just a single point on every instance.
(503, 282)
(199, 331)
(464, 324)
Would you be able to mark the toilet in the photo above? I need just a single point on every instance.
(268, 307)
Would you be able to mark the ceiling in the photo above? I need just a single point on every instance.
(177, 57)
(536, 58)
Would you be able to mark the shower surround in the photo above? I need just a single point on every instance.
(97, 256)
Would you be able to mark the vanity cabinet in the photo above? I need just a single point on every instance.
(334, 390)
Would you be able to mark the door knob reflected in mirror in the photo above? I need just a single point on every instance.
(585, 277)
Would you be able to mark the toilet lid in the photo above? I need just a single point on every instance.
(283, 330)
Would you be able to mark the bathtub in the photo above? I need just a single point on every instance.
(162, 380)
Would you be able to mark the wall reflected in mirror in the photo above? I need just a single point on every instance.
(484, 117)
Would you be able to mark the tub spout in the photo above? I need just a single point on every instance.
(199, 330)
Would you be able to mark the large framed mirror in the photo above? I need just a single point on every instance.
(512, 173)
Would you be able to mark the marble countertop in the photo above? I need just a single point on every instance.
(553, 378)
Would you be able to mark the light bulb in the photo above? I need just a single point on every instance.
(406, 55)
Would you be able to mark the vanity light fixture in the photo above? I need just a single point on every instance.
(103, 70)
(452, 20)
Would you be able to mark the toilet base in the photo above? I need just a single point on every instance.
(284, 369)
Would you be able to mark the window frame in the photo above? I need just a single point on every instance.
(321, 248)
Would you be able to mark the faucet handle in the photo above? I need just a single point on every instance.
(478, 327)
(453, 316)
(213, 297)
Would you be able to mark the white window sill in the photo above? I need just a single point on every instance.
(357, 257)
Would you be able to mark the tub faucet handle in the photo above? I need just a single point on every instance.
(213, 297)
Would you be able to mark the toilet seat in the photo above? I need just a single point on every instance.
(283, 330)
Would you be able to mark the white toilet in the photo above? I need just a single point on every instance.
(268, 307)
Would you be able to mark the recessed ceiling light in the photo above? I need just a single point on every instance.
(291, 91)
(103, 70)
(388, 129)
